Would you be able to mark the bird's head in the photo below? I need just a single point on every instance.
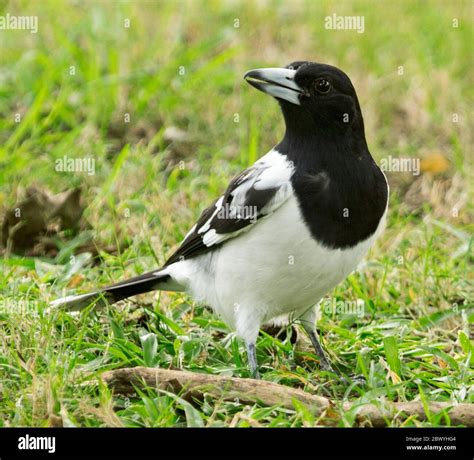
(315, 98)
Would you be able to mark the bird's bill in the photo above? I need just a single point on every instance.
(277, 82)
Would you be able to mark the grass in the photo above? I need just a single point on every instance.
(181, 65)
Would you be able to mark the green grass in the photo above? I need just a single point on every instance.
(181, 65)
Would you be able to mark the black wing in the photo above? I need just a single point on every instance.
(254, 193)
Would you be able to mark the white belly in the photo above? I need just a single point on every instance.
(276, 268)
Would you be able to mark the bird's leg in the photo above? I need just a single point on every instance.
(323, 359)
(308, 320)
(252, 358)
(247, 327)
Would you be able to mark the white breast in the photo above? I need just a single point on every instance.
(274, 269)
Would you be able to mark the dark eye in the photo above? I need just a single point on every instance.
(322, 85)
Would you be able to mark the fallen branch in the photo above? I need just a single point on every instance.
(193, 386)
(459, 414)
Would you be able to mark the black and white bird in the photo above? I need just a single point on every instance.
(289, 228)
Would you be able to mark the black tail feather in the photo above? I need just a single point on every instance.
(110, 294)
(133, 286)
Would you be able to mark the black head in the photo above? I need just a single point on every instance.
(315, 98)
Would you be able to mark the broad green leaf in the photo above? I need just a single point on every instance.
(391, 354)
(150, 348)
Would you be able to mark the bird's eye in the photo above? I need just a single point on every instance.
(322, 85)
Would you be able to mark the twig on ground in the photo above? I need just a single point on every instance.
(193, 386)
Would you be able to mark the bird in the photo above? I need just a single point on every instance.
(287, 229)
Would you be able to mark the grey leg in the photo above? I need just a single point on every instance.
(252, 358)
(319, 350)
(325, 363)
(308, 320)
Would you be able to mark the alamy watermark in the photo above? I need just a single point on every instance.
(28, 442)
(11, 22)
(67, 164)
(233, 212)
(23, 306)
(343, 307)
(336, 22)
(392, 164)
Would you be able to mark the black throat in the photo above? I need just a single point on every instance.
(341, 191)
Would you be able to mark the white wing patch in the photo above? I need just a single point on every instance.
(211, 238)
(272, 171)
(252, 195)
(277, 171)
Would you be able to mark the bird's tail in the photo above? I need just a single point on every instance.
(156, 280)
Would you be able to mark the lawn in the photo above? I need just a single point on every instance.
(153, 93)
